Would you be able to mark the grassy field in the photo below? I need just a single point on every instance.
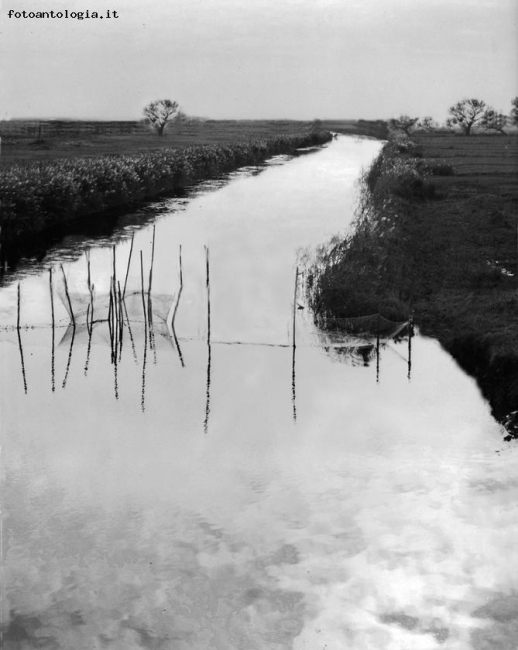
(28, 142)
(443, 247)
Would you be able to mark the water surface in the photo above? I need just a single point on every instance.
(227, 491)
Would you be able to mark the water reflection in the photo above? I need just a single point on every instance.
(209, 349)
(373, 523)
(110, 319)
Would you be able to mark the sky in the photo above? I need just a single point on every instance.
(258, 59)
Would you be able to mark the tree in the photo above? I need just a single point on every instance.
(466, 114)
(514, 111)
(161, 112)
(427, 124)
(494, 121)
(404, 123)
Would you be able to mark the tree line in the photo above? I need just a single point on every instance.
(466, 116)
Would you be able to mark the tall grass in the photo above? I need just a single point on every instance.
(41, 195)
(366, 272)
(450, 261)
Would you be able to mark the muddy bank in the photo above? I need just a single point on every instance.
(435, 236)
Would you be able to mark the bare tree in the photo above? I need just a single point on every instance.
(162, 111)
(494, 121)
(404, 123)
(427, 124)
(466, 114)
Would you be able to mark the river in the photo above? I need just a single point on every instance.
(213, 487)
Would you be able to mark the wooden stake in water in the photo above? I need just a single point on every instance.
(110, 319)
(152, 263)
(410, 335)
(208, 290)
(295, 304)
(294, 345)
(72, 318)
(293, 384)
(128, 267)
(114, 266)
(176, 309)
(91, 291)
(378, 351)
(20, 346)
(18, 309)
(142, 289)
(209, 350)
(89, 346)
(52, 357)
(120, 316)
(70, 352)
(144, 359)
(179, 290)
(129, 331)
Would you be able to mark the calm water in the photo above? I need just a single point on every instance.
(222, 492)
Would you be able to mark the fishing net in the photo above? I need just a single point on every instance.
(366, 327)
(81, 304)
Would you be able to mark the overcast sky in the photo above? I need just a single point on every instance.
(300, 59)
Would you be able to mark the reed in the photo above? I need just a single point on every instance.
(45, 194)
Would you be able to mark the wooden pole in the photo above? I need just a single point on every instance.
(20, 346)
(120, 316)
(52, 353)
(179, 290)
(410, 335)
(209, 350)
(378, 351)
(91, 291)
(295, 305)
(176, 309)
(208, 291)
(68, 297)
(128, 267)
(18, 309)
(142, 288)
(152, 262)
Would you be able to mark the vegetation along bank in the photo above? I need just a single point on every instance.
(35, 197)
(436, 236)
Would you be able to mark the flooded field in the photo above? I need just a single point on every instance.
(177, 475)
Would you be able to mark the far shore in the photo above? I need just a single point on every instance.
(437, 239)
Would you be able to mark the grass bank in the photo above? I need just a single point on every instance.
(436, 236)
(38, 196)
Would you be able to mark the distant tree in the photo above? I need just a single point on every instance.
(514, 111)
(161, 112)
(494, 121)
(466, 114)
(404, 123)
(427, 124)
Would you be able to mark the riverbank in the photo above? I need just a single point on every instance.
(53, 193)
(435, 237)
